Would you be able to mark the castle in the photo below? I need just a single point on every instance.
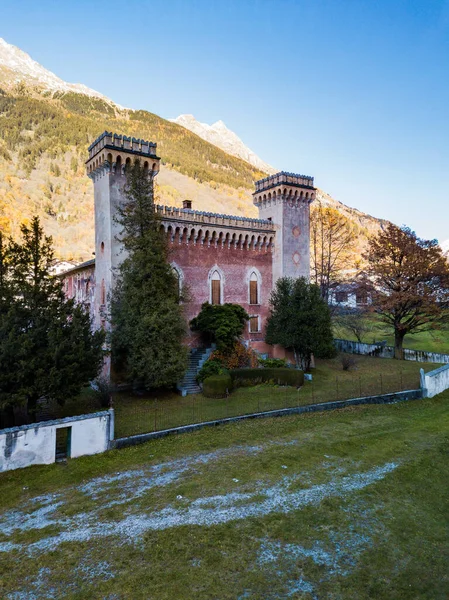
(221, 258)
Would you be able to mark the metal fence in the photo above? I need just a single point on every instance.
(135, 415)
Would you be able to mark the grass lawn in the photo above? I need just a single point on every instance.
(428, 341)
(152, 412)
(345, 505)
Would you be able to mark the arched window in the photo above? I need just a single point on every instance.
(254, 284)
(179, 277)
(216, 283)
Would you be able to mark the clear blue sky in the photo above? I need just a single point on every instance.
(354, 92)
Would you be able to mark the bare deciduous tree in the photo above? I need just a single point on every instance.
(332, 242)
(357, 322)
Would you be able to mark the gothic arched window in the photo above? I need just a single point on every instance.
(254, 285)
(179, 277)
(216, 286)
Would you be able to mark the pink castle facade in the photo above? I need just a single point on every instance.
(220, 258)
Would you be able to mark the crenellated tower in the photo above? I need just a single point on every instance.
(109, 155)
(284, 199)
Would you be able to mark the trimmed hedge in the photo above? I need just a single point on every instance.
(217, 386)
(283, 376)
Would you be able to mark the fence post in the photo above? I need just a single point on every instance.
(381, 384)
(336, 381)
(402, 383)
(360, 385)
(155, 417)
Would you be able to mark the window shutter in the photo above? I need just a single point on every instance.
(253, 299)
(216, 292)
(254, 324)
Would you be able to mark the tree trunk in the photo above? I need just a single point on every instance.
(297, 359)
(398, 341)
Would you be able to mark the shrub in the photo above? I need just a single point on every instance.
(217, 386)
(273, 363)
(210, 367)
(348, 362)
(235, 357)
(283, 376)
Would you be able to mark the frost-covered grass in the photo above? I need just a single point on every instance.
(344, 505)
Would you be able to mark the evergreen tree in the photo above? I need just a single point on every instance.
(148, 324)
(220, 323)
(47, 347)
(300, 320)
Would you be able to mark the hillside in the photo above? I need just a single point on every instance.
(46, 126)
(43, 146)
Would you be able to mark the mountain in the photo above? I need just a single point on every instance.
(30, 72)
(46, 126)
(219, 135)
(445, 247)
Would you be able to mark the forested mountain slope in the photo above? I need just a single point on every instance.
(43, 146)
(46, 126)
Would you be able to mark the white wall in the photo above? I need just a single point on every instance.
(36, 444)
(435, 382)
(388, 351)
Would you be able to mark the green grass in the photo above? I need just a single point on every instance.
(384, 539)
(152, 412)
(427, 341)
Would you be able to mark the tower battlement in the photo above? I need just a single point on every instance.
(111, 152)
(290, 179)
(129, 144)
(284, 186)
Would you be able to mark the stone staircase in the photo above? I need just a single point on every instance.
(197, 358)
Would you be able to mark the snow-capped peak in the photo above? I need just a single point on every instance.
(219, 135)
(28, 70)
(445, 247)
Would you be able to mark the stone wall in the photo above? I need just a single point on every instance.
(435, 382)
(36, 444)
(383, 351)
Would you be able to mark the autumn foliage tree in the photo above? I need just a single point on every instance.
(411, 282)
(332, 241)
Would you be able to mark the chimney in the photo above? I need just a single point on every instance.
(187, 204)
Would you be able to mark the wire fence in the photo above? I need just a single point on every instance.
(135, 415)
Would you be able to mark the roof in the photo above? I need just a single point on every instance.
(80, 267)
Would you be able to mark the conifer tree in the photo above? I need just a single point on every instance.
(47, 347)
(300, 320)
(147, 319)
